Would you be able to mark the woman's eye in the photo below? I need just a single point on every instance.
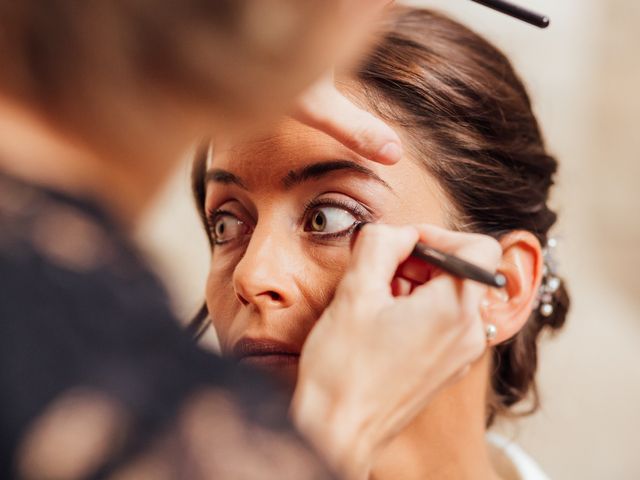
(329, 220)
(227, 227)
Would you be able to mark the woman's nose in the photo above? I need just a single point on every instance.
(265, 276)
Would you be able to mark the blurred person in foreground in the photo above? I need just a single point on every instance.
(98, 102)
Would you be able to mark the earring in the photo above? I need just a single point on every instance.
(550, 282)
(491, 332)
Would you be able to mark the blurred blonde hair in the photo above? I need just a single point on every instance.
(113, 72)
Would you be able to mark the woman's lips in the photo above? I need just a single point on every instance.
(272, 360)
(265, 353)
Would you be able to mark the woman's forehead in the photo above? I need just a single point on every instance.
(294, 151)
(286, 148)
(266, 162)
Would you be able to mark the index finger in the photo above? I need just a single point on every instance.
(326, 109)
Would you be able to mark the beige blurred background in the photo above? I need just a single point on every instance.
(583, 74)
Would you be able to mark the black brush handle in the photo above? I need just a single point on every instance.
(515, 11)
(458, 267)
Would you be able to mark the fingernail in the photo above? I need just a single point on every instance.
(390, 153)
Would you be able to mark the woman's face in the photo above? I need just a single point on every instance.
(281, 211)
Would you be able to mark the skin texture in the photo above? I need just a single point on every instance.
(274, 277)
(302, 269)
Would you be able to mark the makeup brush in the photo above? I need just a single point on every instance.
(515, 11)
(458, 267)
(449, 263)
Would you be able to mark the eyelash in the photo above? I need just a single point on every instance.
(360, 213)
(213, 217)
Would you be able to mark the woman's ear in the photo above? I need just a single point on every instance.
(509, 308)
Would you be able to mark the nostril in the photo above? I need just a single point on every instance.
(268, 296)
(275, 296)
(242, 300)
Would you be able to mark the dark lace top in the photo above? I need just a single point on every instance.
(97, 380)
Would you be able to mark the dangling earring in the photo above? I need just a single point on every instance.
(550, 281)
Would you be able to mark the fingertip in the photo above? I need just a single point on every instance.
(389, 154)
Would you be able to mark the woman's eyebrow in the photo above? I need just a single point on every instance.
(223, 176)
(320, 169)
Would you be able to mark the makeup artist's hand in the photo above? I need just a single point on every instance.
(323, 107)
(374, 360)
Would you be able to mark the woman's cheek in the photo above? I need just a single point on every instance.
(221, 302)
(326, 268)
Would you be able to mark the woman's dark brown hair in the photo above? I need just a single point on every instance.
(465, 114)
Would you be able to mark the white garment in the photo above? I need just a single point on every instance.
(511, 462)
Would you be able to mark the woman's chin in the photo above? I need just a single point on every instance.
(284, 368)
